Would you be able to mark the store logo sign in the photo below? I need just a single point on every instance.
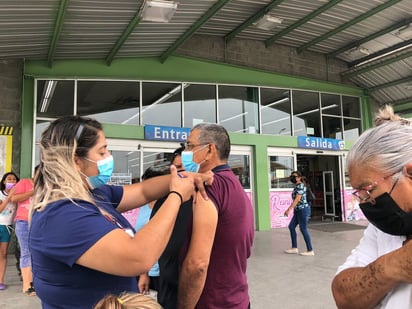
(320, 143)
(163, 133)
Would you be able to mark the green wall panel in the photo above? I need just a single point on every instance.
(179, 69)
(26, 147)
(123, 131)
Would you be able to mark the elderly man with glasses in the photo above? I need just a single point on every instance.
(213, 274)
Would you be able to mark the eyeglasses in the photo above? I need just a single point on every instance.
(190, 146)
(364, 194)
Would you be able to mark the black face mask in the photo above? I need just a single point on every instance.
(292, 179)
(387, 216)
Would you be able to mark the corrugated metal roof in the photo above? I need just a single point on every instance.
(91, 29)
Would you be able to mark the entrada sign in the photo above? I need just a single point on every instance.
(163, 133)
(320, 143)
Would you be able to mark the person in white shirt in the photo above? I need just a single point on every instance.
(378, 273)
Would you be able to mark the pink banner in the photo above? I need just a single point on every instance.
(249, 195)
(279, 202)
(131, 216)
(351, 209)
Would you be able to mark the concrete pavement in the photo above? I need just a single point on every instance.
(276, 279)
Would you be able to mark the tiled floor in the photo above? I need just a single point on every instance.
(276, 279)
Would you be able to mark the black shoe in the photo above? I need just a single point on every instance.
(30, 292)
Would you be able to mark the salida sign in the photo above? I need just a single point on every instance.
(320, 143)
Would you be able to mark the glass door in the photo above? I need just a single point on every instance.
(329, 193)
(133, 157)
(240, 160)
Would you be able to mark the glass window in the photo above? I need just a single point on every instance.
(241, 167)
(238, 109)
(157, 159)
(55, 98)
(352, 129)
(126, 167)
(351, 121)
(351, 107)
(199, 104)
(332, 127)
(280, 169)
(41, 126)
(275, 111)
(306, 116)
(330, 104)
(162, 104)
(109, 101)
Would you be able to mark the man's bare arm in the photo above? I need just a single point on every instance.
(194, 269)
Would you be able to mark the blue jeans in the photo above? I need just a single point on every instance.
(22, 233)
(301, 217)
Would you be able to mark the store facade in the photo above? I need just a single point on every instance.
(277, 123)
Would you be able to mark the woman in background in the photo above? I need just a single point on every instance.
(301, 215)
(7, 213)
(23, 194)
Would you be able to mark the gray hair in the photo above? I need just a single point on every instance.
(214, 134)
(387, 147)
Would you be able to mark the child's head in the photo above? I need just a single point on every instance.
(127, 301)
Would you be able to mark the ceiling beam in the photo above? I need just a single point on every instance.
(58, 25)
(123, 38)
(381, 52)
(351, 73)
(300, 22)
(347, 25)
(199, 23)
(252, 19)
(390, 84)
(370, 37)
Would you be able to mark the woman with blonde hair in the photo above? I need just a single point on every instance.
(127, 301)
(82, 247)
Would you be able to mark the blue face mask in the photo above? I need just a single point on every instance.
(188, 163)
(105, 168)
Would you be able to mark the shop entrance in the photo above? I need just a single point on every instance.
(133, 157)
(322, 173)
